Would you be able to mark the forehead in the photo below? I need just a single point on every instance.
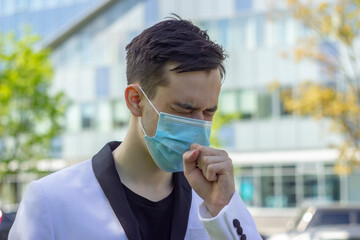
(199, 88)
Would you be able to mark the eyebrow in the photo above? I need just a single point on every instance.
(193, 108)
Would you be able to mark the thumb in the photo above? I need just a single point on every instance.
(189, 160)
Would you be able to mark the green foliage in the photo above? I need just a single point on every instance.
(220, 120)
(31, 115)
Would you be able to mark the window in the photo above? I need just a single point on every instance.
(287, 185)
(21, 5)
(260, 22)
(240, 32)
(243, 5)
(56, 147)
(268, 191)
(284, 91)
(310, 187)
(224, 32)
(332, 187)
(329, 68)
(335, 217)
(102, 82)
(247, 103)
(103, 116)
(281, 32)
(2, 7)
(87, 116)
(85, 48)
(8, 7)
(228, 102)
(288, 191)
(250, 33)
(120, 114)
(35, 5)
(265, 105)
(247, 190)
(73, 120)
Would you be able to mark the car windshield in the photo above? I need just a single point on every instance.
(334, 218)
(328, 217)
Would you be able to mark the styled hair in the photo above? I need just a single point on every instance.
(174, 40)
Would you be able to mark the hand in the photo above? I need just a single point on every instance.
(210, 173)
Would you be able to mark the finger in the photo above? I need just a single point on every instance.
(213, 171)
(208, 150)
(204, 161)
(189, 160)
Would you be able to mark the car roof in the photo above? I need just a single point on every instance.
(334, 207)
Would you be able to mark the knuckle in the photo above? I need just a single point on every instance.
(206, 160)
(211, 168)
(223, 153)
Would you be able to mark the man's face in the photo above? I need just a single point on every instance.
(191, 94)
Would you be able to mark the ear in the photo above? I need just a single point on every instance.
(133, 99)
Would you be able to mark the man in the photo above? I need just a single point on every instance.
(163, 181)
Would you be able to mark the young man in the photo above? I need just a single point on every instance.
(163, 181)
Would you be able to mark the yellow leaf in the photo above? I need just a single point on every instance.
(342, 169)
(299, 54)
(339, 8)
(322, 7)
(326, 24)
(291, 2)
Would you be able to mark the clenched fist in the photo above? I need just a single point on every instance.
(210, 173)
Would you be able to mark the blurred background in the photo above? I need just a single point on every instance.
(288, 112)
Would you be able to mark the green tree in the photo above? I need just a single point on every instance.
(31, 114)
(336, 22)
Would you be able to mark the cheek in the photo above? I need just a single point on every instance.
(150, 120)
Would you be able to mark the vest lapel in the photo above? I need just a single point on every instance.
(108, 178)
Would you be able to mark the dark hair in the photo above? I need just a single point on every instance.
(171, 41)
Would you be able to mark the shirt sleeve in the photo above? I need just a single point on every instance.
(234, 221)
(33, 219)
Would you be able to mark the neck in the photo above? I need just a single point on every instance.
(136, 168)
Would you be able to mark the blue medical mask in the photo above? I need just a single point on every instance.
(174, 136)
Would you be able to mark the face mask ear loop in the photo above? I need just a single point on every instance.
(149, 101)
(141, 126)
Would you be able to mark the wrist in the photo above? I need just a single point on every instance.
(214, 209)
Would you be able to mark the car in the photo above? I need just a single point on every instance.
(335, 222)
(6, 221)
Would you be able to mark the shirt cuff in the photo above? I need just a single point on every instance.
(205, 215)
(224, 225)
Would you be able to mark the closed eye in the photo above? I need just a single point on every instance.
(185, 107)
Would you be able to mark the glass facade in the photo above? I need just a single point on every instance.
(287, 186)
(242, 5)
(44, 17)
(253, 104)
